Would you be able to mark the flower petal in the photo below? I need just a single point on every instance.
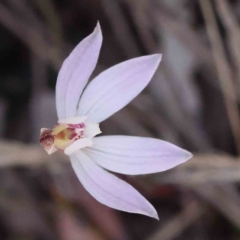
(116, 87)
(74, 120)
(79, 144)
(108, 189)
(135, 155)
(91, 130)
(75, 73)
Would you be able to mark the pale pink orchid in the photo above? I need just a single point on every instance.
(80, 113)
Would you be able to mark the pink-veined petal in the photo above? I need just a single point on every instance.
(77, 145)
(135, 155)
(108, 189)
(75, 73)
(116, 87)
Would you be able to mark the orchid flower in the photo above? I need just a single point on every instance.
(80, 112)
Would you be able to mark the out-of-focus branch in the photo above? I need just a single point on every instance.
(47, 8)
(165, 19)
(201, 169)
(223, 70)
(139, 15)
(32, 38)
(14, 154)
(176, 225)
(121, 28)
(233, 31)
(188, 36)
(225, 201)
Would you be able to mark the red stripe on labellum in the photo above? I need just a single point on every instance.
(71, 128)
(78, 125)
(73, 135)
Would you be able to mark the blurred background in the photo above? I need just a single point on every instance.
(192, 101)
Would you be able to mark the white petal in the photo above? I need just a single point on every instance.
(91, 130)
(135, 155)
(74, 120)
(116, 87)
(79, 144)
(75, 73)
(51, 150)
(108, 189)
